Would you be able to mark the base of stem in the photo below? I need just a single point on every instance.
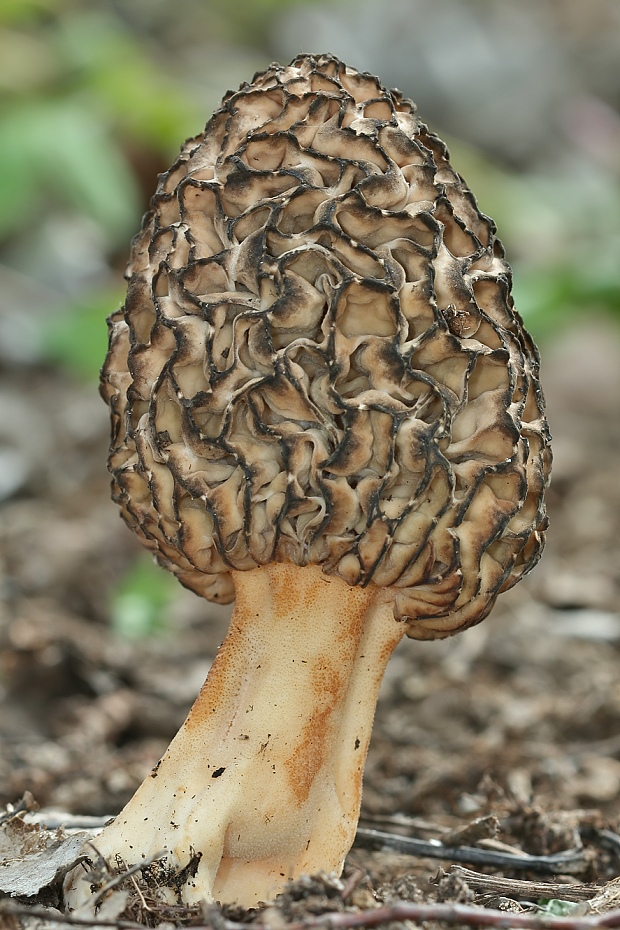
(262, 782)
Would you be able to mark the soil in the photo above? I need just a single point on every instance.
(506, 738)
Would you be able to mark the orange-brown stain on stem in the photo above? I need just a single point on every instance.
(218, 685)
(314, 745)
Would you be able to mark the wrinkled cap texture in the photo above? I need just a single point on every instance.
(319, 360)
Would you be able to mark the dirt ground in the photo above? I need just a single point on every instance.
(517, 721)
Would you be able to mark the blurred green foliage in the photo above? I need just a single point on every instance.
(139, 604)
(77, 339)
(55, 154)
(109, 65)
(76, 93)
(550, 299)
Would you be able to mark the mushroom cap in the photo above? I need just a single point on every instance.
(319, 360)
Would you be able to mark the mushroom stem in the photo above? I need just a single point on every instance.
(263, 781)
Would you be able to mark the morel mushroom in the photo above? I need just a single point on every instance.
(325, 406)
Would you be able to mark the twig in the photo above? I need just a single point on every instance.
(52, 819)
(404, 821)
(351, 883)
(447, 913)
(520, 888)
(138, 891)
(568, 861)
(121, 876)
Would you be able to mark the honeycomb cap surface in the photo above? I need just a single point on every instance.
(319, 360)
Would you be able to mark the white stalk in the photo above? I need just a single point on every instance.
(263, 780)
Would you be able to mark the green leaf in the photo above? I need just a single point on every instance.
(556, 907)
